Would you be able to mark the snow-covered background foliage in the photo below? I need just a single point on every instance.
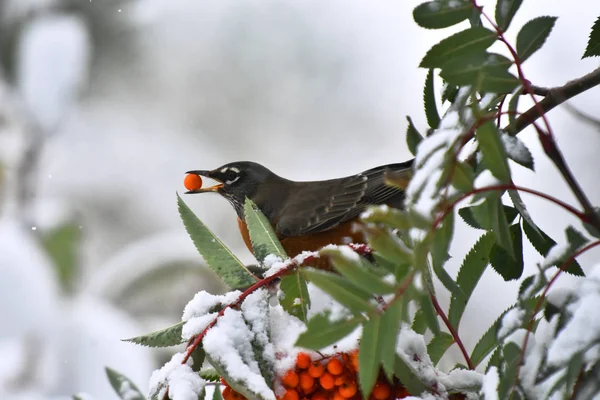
(103, 105)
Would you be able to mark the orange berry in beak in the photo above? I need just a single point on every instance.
(192, 182)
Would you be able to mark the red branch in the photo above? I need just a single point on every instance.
(453, 331)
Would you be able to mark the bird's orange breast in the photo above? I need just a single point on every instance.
(294, 245)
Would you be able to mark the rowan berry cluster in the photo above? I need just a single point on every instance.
(328, 378)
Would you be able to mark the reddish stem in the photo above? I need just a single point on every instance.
(582, 216)
(453, 331)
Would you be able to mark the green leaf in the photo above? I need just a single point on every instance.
(509, 267)
(429, 313)
(368, 355)
(471, 270)
(419, 324)
(218, 257)
(342, 290)
(413, 137)
(439, 254)
(409, 380)
(439, 345)
(167, 337)
(484, 71)
(263, 237)
(431, 112)
(500, 225)
(321, 332)
(533, 35)
(391, 217)
(357, 270)
(505, 11)
(388, 245)
(469, 41)
(62, 245)
(390, 325)
(449, 93)
(296, 300)
(217, 393)
(488, 342)
(442, 13)
(210, 375)
(593, 46)
(511, 353)
(467, 214)
(543, 243)
(492, 148)
(463, 176)
(125, 388)
(517, 151)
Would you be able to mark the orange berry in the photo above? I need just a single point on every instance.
(320, 396)
(192, 182)
(348, 389)
(224, 382)
(381, 391)
(335, 366)
(327, 381)
(306, 381)
(401, 392)
(354, 359)
(236, 395)
(291, 379)
(226, 393)
(316, 369)
(303, 360)
(291, 394)
(338, 396)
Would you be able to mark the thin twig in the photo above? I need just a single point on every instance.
(553, 98)
(453, 331)
(595, 122)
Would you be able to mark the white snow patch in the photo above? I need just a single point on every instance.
(516, 149)
(203, 302)
(229, 343)
(583, 330)
(182, 382)
(556, 253)
(511, 321)
(490, 384)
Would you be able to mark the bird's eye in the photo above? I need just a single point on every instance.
(231, 176)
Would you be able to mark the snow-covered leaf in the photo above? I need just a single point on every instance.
(391, 217)
(517, 151)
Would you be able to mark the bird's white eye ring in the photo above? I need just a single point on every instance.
(229, 182)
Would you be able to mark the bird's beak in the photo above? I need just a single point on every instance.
(205, 174)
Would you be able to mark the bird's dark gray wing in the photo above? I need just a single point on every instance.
(319, 206)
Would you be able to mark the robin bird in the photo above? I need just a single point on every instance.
(306, 215)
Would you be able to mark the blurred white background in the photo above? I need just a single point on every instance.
(104, 105)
